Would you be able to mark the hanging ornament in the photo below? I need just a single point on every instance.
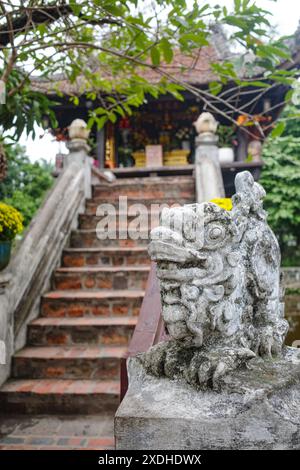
(3, 163)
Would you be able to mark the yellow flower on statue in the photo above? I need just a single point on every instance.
(224, 202)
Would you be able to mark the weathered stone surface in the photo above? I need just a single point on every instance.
(6, 328)
(92, 278)
(208, 176)
(68, 362)
(91, 304)
(105, 256)
(219, 275)
(260, 409)
(56, 395)
(37, 255)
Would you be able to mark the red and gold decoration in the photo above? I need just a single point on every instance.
(165, 124)
(110, 160)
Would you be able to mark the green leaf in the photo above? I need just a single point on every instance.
(289, 95)
(76, 8)
(75, 100)
(234, 21)
(155, 56)
(237, 5)
(256, 83)
(278, 130)
(198, 39)
(113, 9)
(100, 121)
(215, 88)
(166, 50)
(42, 28)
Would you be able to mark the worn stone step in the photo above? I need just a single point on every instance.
(84, 331)
(121, 238)
(153, 181)
(72, 362)
(78, 303)
(122, 219)
(148, 189)
(92, 205)
(105, 256)
(95, 278)
(51, 396)
(131, 180)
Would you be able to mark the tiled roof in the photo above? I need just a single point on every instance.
(193, 69)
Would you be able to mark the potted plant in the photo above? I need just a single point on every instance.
(11, 223)
(226, 141)
(184, 136)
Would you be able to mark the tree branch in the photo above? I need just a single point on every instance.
(43, 15)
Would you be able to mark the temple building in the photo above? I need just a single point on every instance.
(161, 130)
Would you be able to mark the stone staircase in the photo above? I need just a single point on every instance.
(71, 361)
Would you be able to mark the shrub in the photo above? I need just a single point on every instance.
(281, 180)
(26, 183)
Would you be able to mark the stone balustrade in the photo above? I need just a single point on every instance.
(39, 252)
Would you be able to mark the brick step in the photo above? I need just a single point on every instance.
(106, 256)
(147, 190)
(121, 238)
(88, 303)
(147, 181)
(73, 362)
(92, 204)
(83, 331)
(123, 219)
(95, 278)
(51, 396)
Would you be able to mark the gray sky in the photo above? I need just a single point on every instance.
(286, 14)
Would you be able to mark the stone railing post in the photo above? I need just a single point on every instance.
(209, 182)
(79, 150)
(6, 327)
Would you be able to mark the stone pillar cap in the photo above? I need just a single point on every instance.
(78, 130)
(206, 124)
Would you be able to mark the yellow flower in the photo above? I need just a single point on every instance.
(224, 202)
(11, 222)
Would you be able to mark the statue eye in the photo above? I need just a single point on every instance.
(215, 233)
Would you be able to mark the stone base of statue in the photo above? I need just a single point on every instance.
(258, 408)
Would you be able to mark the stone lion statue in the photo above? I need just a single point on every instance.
(219, 274)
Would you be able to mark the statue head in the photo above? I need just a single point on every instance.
(192, 247)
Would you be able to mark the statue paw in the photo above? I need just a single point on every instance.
(154, 359)
(269, 339)
(168, 359)
(207, 368)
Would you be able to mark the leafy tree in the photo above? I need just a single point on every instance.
(26, 183)
(281, 179)
(104, 45)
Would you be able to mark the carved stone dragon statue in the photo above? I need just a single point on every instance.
(219, 274)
